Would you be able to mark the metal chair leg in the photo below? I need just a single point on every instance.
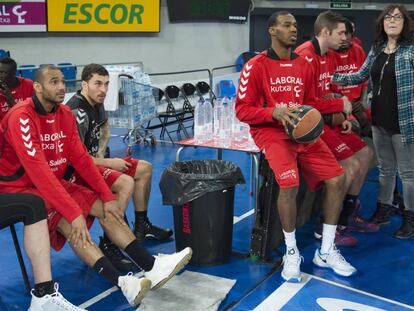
(20, 258)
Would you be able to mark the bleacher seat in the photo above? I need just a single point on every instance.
(27, 71)
(243, 58)
(4, 53)
(226, 88)
(69, 71)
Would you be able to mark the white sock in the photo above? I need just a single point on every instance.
(290, 240)
(328, 238)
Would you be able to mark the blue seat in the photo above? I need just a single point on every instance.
(4, 53)
(27, 71)
(243, 58)
(226, 88)
(69, 71)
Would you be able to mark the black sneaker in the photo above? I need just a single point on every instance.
(115, 256)
(145, 230)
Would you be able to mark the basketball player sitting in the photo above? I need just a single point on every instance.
(273, 86)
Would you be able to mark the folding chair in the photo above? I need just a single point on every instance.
(165, 111)
(204, 91)
(173, 95)
(188, 91)
(8, 200)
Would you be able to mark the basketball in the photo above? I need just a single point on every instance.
(334, 119)
(308, 128)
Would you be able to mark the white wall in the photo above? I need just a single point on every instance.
(182, 46)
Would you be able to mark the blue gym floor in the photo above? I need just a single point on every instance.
(385, 265)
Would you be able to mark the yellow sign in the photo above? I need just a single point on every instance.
(103, 15)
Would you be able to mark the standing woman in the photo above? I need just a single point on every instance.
(389, 67)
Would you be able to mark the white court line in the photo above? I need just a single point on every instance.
(95, 299)
(106, 293)
(287, 290)
(364, 293)
(282, 295)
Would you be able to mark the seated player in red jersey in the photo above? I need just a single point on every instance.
(349, 149)
(349, 58)
(126, 177)
(12, 89)
(272, 87)
(39, 138)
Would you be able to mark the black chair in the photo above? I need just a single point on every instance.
(204, 91)
(10, 201)
(188, 90)
(165, 112)
(157, 93)
(174, 96)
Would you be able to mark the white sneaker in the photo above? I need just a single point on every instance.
(133, 288)
(291, 266)
(166, 266)
(334, 260)
(55, 302)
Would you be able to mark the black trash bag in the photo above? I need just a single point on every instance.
(186, 181)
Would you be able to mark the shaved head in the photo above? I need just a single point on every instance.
(40, 73)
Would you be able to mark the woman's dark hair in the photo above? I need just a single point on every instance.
(406, 36)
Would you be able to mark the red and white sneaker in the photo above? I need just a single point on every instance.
(358, 224)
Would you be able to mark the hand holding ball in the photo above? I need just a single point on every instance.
(307, 127)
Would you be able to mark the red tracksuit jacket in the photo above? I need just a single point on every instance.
(349, 61)
(35, 149)
(265, 81)
(22, 91)
(323, 66)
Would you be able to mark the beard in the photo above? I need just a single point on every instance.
(288, 45)
(344, 48)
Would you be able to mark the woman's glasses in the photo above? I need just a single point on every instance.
(396, 17)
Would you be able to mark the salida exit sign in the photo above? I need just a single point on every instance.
(340, 4)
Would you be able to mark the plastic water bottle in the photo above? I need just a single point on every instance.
(225, 126)
(217, 110)
(199, 122)
(208, 120)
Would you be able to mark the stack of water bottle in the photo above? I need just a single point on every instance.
(137, 103)
(218, 124)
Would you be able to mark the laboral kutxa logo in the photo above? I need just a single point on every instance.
(103, 16)
(24, 16)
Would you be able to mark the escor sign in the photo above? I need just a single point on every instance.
(103, 13)
(106, 16)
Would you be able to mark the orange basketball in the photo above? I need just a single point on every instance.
(334, 119)
(308, 128)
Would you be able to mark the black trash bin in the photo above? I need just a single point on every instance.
(202, 195)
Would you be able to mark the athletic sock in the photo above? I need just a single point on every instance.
(328, 238)
(105, 268)
(350, 199)
(44, 288)
(140, 216)
(138, 254)
(290, 239)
